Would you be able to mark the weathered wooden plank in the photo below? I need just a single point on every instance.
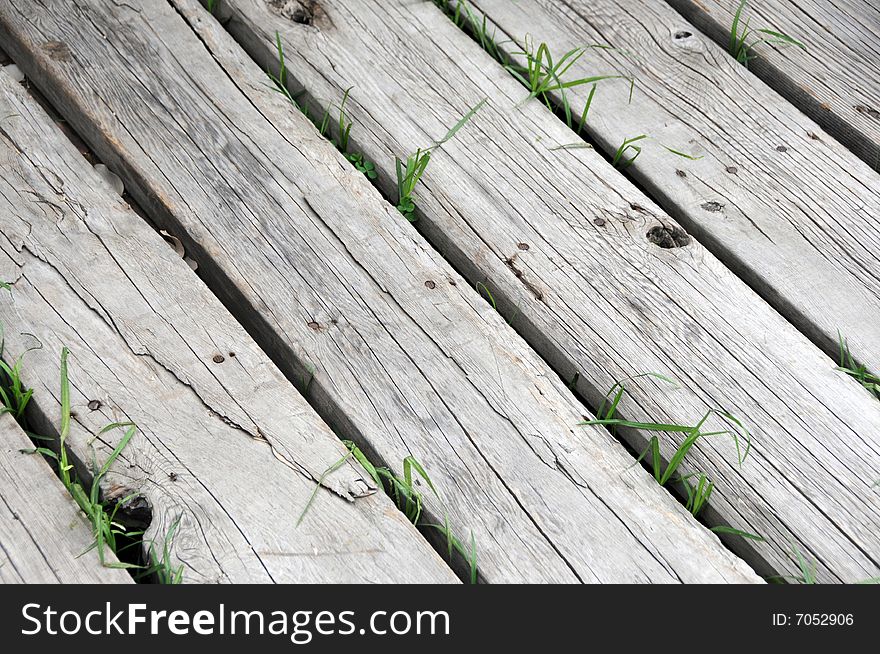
(224, 442)
(561, 239)
(43, 534)
(408, 359)
(787, 207)
(835, 80)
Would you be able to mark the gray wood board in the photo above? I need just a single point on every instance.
(408, 359)
(43, 534)
(787, 207)
(225, 444)
(560, 239)
(835, 80)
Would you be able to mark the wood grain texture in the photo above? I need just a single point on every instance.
(224, 442)
(835, 80)
(788, 208)
(409, 360)
(43, 534)
(560, 238)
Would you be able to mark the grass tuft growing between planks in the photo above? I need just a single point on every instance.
(162, 567)
(337, 129)
(108, 533)
(698, 492)
(410, 172)
(697, 486)
(407, 497)
(14, 394)
(105, 529)
(327, 123)
(543, 76)
(743, 38)
(806, 573)
(464, 18)
(860, 373)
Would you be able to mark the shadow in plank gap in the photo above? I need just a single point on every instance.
(594, 291)
(225, 448)
(326, 274)
(42, 532)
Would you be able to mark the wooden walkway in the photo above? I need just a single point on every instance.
(474, 340)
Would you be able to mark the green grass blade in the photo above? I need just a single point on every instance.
(722, 529)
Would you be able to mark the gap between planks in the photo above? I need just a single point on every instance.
(44, 537)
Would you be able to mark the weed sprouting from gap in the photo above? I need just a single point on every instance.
(14, 394)
(324, 123)
(105, 529)
(860, 373)
(697, 495)
(107, 532)
(542, 77)
(806, 570)
(407, 179)
(463, 17)
(806, 573)
(743, 39)
(621, 161)
(483, 290)
(211, 5)
(406, 496)
(410, 172)
(162, 567)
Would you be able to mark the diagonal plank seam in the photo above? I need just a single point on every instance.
(106, 319)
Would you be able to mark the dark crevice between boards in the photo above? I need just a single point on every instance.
(132, 511)
(664, 236)
(299, 370)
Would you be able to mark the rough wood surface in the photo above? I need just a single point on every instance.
(835, 80)
(560, 239)
(408, 359)
(224, 442)
(43, 534)
(788, 208)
